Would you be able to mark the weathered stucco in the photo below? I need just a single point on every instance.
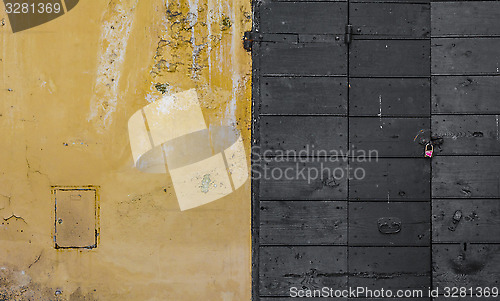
(67, 89)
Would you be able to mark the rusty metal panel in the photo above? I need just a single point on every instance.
(284, 267)
(471, 220)
(389, 224)
(303, 222)
(76, 223)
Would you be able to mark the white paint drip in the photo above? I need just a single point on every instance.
(498, 129)
(209, 42)
(236, 77)
(380, 109)
(115, 33)
(220, 54)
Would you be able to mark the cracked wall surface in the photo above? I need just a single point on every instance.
(67, 89)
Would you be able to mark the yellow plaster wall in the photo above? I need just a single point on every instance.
(67, 89)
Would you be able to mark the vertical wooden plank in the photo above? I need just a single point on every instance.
(467, 134)
(390, 20)
(309, 135)
(384, 58)
(302, 267)
(465, 177)
(467, 265)
(390, 267)
(302, 179)
(478, 56)
(466, 18)
(304, 95)
(391, 137)
(303, 17)
(391, 180)
(389, 97)
(389, 224)
(471, 220)
(304, 58)
(465, 94)
(303, 222)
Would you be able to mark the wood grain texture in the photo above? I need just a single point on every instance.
(303, 95)
(390, 20)
(390, 267)
(465, 94)
(400, 58)
(465, 177)
(389, 96)
(479, 56)
(303, 222)
(306, 180)
(476, 266)
(392, 179)
(304, 267)
(303, 17)
(308, 134)
(471, 220)
(414, 217)
(467, 134)
(304, 58)
(468, 18)
(391, 137)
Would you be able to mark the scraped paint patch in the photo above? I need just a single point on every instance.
(115, 32)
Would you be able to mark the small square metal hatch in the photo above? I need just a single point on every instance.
(76, 217)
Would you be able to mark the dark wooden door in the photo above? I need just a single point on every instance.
(347, 94)
(465, 116)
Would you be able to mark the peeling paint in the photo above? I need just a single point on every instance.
(115, 32)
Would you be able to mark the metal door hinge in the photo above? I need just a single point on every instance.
(348, 34)
(248, 39)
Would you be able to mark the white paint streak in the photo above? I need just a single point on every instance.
(115, 33)
(498, 129)
(380, 109)
(235, 72)
(209, 42)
